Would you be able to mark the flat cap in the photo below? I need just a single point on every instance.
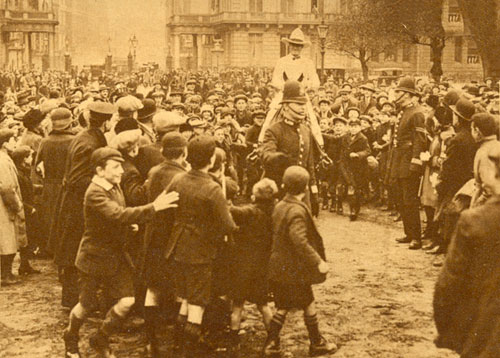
(61, 118)
(103, 154)
(129, 104)
(164, 121)
(48, 105)
(173, 140)
(126, 140)
(99, 107)
(6, 134)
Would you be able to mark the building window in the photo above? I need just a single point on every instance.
(314, 4)
(472, 53)
(256, 48)
(458, 48)
(390, 56)
(454, 14)
(255, 5)
(406, 53)
(287, 6)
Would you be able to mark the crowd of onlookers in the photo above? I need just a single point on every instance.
(52, 123)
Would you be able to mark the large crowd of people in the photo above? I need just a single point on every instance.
(156, 194)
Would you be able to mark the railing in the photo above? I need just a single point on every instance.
(26, 15)
(248, 17)
(454, 17)
(472, 59)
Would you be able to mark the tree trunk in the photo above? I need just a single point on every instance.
(364, 63)
(437, 47)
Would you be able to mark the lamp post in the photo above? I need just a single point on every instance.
(109, 58)
(217, 50)
(322, 32)
(132, 46)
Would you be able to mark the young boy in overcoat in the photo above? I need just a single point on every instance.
(297, 262)
(202, 219)
(101, 260)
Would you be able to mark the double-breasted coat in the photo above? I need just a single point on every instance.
(467, 294)
(77, 177)
(297, 246)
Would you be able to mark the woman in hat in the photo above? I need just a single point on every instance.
(51, 160)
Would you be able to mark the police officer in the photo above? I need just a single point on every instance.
(411, 141)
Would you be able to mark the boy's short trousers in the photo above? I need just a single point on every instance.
(292, 296)
(193, 283)
(116, 286)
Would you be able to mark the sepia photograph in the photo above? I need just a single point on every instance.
(250, 178)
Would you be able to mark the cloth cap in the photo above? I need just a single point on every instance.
(6, 134)
(129, 104)
(49, 105)
(486, 123)
(173, 140)
(103, 154)
(200, 149)
(164, 121)
(126, 140)
(61, 118)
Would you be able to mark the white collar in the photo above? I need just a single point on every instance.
(103, 183)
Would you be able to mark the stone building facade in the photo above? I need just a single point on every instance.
(240, 33)
(43, 34)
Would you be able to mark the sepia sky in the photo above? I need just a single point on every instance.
(145, 19)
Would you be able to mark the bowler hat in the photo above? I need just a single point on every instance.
(292, 93)
(61, 119)
(464, 109)
(147, 110)
(296, 38)
(451, 98)
(32, 118)
(407, 84)
(126, 124)
(486, 123)
(103, 154)
(200, 150)
(324, 100)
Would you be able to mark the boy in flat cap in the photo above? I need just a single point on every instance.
(297, 262)
(101, 261)
(201, 219)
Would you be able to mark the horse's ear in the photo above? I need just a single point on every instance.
(285, 77)
(301, 78)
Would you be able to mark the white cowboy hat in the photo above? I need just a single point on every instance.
(296, 37)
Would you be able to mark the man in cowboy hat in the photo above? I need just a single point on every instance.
(410, 142)
(294, 67)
